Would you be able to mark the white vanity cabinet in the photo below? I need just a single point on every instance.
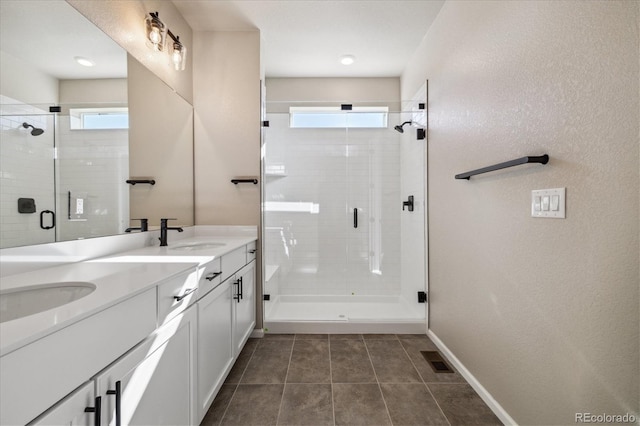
(157, 357)
(215, 347)
(77, 409)
(244, 310)
(226, 318)
(153, 383)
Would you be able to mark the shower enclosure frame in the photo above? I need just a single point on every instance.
(369, 325)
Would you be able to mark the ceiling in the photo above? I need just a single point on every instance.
(50, 37)
(307, 38)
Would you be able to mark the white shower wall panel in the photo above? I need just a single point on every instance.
(93, 165)
(328, 172)
(26, 171)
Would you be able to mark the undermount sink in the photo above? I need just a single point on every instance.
(23, 301)
(197, 246)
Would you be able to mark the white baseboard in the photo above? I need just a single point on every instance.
(475, 384)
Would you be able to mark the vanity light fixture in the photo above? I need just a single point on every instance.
(178, 52)
(155, 31)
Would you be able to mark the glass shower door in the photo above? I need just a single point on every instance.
(27, 179)
(373, 246)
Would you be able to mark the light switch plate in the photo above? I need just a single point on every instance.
(548, 203)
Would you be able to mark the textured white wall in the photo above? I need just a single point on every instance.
(543, 312)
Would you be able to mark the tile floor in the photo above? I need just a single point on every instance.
(343, 379)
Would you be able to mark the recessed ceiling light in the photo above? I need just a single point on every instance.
(84, 61)
(347, 59)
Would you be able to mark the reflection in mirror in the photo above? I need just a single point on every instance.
(69, 181)
(161, 149)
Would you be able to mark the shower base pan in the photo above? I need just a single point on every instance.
(343, 314)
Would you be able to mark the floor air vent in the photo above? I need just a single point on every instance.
(437, 363)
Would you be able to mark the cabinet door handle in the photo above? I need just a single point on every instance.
(213, 275)
(252, 251)
(95, 410)
(117, 392)
(237, 296)
(186, 293)
(241, 289)
(355, 217)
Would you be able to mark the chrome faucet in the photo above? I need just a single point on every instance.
(163, 231)
(144, 226)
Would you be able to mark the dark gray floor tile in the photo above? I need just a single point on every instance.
(359, 404)
(270, 336)
(391, 363)
(219, 406)
(411, 404)
(306, 404)
(269, 362)
(462, 405)
(309, 362)
(240, 365)
(312, 336)
(413, 348)
(350, 362)
(333, 337)
(254, 405)
(379, 337)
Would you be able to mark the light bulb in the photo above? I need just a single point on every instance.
(177, 59)
(155, 36)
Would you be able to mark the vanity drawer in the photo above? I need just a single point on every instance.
(251, 251)
(231, 262)
(176, 294)
(210, 277)
(31, 382)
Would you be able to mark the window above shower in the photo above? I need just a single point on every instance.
(362, 117)
(99, 118)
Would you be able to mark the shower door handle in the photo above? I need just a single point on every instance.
(355, 217)
(53, 219)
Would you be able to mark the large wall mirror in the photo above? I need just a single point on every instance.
(64, 171)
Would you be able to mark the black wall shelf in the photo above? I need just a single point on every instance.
(541, 159)
(147, 181)
(244, 180)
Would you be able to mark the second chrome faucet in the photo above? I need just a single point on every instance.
(163, 231)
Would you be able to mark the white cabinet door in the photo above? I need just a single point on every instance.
(155, 381)
(215, 346)
(77, 409)
(244, 306)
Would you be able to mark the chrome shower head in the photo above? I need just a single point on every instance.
(35, 131)
(400, 128)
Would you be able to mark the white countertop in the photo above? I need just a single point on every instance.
(172, 253)
(117, 277)
(114, 282)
